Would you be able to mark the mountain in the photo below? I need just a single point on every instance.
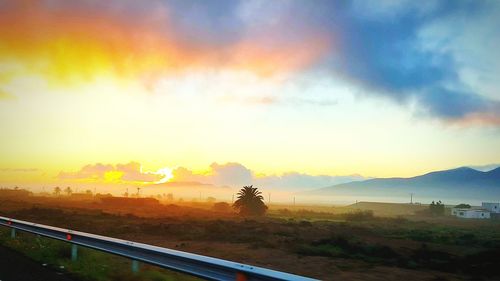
(460, 183)
(297, 181)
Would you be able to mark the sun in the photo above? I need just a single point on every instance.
(167, 174)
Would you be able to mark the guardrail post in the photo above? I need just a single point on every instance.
(12, 233)
(135, 266)
(74, 252)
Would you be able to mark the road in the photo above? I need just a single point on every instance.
(16, 267)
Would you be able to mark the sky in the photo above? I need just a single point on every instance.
(279, 93)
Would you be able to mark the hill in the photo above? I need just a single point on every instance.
(460, 183)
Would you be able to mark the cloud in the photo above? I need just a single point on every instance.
(440, 55)
(273, 100)
(417, 54)
(391, 8)
(81, 40)
(296, 180)
(131, 172)
(231, 174)
(4, 95)
(237, 175)
(457, 105)
(19, 170)
(94, 172)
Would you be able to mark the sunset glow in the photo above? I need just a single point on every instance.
(167, 175)
(276, 88)
(250, 140)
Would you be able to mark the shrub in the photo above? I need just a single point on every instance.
(436, 208)
(359, 215)
(222, 207)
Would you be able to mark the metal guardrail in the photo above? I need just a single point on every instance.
(197, 265)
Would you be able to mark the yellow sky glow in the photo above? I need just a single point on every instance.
(78, 90)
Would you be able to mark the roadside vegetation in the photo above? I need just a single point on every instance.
(342, 243)
(91, 265)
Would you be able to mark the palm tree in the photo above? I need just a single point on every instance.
(57, 190)
(250, 202)
(68, 190)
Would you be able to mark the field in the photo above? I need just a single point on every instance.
(329, 243)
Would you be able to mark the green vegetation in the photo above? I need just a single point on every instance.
(436, 208)
(91, 265)
(359, 215)
(344, 247)
(465, 251)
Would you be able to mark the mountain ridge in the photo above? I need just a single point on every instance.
(462, 181)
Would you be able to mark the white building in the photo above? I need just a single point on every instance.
(470, 213)
(492, 207)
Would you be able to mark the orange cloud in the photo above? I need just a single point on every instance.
(119, 173)
(483, 118)
(286, 57)
(65, 45)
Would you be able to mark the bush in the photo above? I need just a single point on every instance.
(341, 246)
(436, 208)
(222, 207)
(359, 215)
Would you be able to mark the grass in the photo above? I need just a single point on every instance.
(344, 247)
(487, 236)
(306, 242)
(91, 265)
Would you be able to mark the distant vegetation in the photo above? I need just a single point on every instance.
(436, 208)
(221, 207)
(68, 191)
(359, 215)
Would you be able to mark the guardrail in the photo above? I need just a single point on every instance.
(192, 264)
